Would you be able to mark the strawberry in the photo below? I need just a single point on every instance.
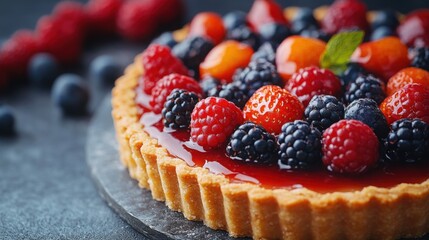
(265, 11)
(224, 59)
(102, 15)
(407, 76)
(271, 107)
(312, 81)
(167, 84)
(213, 120)
(16, 53)
(414, 29)
(298, 52)
(411, 101)
(158, 61)
(345, 14)
(383, 57)
(209, 25)
(138, 20)
(349, 146)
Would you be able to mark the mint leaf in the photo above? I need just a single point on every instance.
(339, 50)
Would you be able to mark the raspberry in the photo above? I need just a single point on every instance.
(323, 111)
(413, 30)
(137, 20)
(231, 93)
(72, 14)
(208, 83)
(349, 147)
(365, 87)
(167, 84)
(259, 73)
(266, 51)
(102, 15)
(407, 76)
(209, 25)
(408, 141)
(178, 108)
(300, 145)
(245, 35)
(271, 107)
(213, 120)
(192, 52)
(16, 53)
(411, 101)
(265, 11)
(345, 14)
(251, 143)
(421, 58)
(366, 110)
(312, 81)
(158, 62)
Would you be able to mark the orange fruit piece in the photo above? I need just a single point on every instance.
(407, 76)
(208, 24)
(297, 52)
(383, 57)
(224, 59)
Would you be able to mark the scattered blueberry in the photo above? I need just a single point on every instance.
(366, 110)
(105, 69)
(166, 39)
(208, 83)
(365, 87)
(407, 141)
(230, 92)
(382, 32)
(385, 18)
(192, 52)
(300, 145)
(274, 32)
(252, 143)
(235, 19)
(266, 51)
(7, 121)
(421, 58)
(43, 69)
(323, 111)
(71, 94)
(245, 35)
(178, 108)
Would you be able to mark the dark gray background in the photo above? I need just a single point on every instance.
(45, 188)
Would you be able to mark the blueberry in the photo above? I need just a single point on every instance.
(274, 32)
(7, 121)
(315, 33)
(235, 19)
(304, 19)
(382, 32)
(166, 39)
(43, 69)
(105, 69)
(245, 35)
(385, 18)
(71, 94)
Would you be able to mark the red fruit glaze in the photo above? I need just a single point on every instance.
(383, 57)
(298, 52)
(414, 29)
(224, 59)
(178, 145)
(312, 81)
(407, 76)
(208, 24)
(167, 84)
(271, 107)
(411, 101)
(158, 61)
(213, 120)
(102, 15)
(345, 14)
(265, 11)
(137, 20)
(349, 146)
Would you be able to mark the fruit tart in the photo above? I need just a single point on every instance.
(284, 124)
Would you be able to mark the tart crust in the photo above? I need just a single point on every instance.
(245, 209)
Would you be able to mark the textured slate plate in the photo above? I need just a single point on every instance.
(135, 205)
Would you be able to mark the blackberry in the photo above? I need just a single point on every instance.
(352, 72)
(408, 141)
(266, 51)
(366, 110)
(385, 18)
(166, 39)
(234, 20)
(300, 145)
(304, 19)
(245, 35)
(274, 32)
(421, 58)
(365, 87)
(178, 107)
(253, 144)
(208, 83)
(323, 111)
(257, 74)
(382, 32)
(231, 93)
(192, 52)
